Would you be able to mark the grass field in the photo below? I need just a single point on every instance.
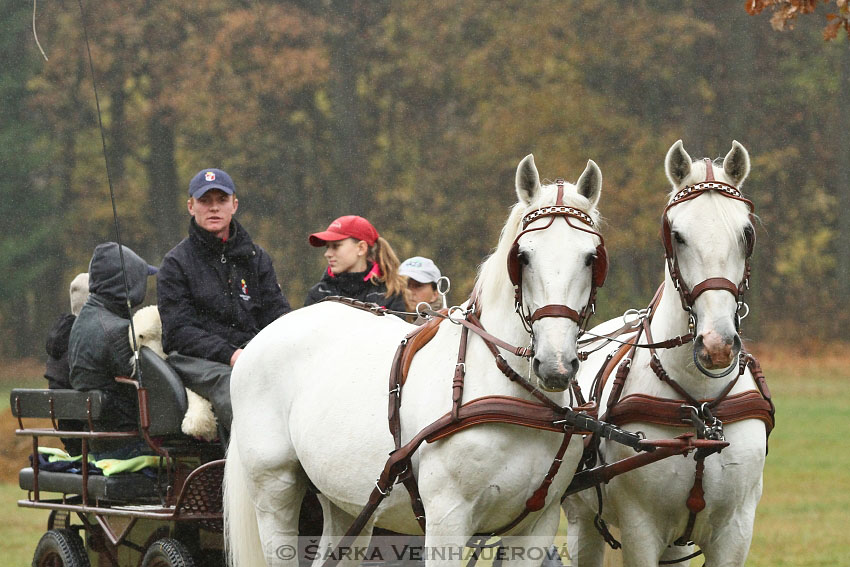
(803, 516)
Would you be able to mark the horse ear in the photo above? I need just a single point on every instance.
(677, 164)
(527, 180)
(590, 183)
(736, 164)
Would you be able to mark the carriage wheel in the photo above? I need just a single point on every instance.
(60, 548)
(167, 552)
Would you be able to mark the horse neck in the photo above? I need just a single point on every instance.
(670, 320)
(499, 318)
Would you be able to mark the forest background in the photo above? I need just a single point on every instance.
(415, 115)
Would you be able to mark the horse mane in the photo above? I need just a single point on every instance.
(493, 283)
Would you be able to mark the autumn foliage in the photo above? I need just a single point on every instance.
(785, 13)
(415, 114)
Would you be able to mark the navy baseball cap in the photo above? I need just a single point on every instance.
(207, 179)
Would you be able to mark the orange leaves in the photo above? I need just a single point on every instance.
(785, 12)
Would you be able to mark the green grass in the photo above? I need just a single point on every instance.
(20, 528)
(801, 520)
(803, 514)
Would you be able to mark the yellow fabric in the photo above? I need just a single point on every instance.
(108, 466)
(116, 466)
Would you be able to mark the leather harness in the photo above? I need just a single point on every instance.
(707, 416)
(687, 412)
(544, 414)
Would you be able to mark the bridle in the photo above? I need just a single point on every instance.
(689, 295)
(599, 268)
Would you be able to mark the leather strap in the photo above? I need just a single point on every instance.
(713, 283)
(556, 311)
(661, 411)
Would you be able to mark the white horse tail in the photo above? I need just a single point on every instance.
(241, 534)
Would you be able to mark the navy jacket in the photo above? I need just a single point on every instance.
(352, 285)
(214, 295)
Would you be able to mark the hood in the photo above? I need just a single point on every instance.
(106, 279)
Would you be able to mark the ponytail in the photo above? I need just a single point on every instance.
(383, 255)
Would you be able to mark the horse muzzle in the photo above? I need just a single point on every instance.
(714, 351)
(554, 374)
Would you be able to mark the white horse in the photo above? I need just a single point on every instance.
(710, 237)
(310, 398)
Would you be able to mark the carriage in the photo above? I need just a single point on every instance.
(170, 516)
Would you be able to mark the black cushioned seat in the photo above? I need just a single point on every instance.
(125, 487)
(167, 401)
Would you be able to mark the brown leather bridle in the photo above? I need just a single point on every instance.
(599, 268)
(689, 295)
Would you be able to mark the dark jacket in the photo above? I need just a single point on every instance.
(353, 285)
(215, 295)
(57, 370)
(99, 345)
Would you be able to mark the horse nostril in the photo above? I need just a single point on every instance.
(536, 365)
(574, 364)
(698, 342)
(736, 344)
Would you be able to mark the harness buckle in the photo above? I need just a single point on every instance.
(383, 492)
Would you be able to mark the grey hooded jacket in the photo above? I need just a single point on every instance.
(99, 347)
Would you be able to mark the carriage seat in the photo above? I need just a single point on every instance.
(167, 400)
(126, 487)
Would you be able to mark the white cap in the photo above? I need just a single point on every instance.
(420, 269)
(79, 292)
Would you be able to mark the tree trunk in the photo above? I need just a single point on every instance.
(166, 213)
(842, 186)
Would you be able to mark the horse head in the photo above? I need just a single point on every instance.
(708, 235)
(555, 264)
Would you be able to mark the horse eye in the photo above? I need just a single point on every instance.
(749, 239)
(590, 259)
(523, 258)
(678, 237)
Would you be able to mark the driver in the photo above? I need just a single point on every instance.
(215, 291)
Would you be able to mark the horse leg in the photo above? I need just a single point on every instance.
(336, 522)
(641, 539)
(277, 518)
(532, 547)
(730, 544)
(584, 542)
(676, 552)
(262, 499)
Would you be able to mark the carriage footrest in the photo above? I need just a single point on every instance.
(120, 488)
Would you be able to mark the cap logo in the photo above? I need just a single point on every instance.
(209, 176)
(336, 224)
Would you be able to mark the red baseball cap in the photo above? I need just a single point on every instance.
(349, 226)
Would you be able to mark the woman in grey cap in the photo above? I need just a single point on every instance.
(422, 277)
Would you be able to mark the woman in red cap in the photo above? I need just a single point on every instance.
(361, 265)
